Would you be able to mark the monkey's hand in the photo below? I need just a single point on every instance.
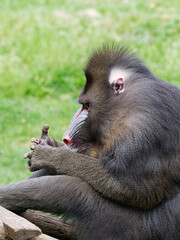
(45, 139)
(42, 156)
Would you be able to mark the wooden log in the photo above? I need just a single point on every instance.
(17, 227)
(51, 225)
(2, 232)
(43, 237)
(3, 235)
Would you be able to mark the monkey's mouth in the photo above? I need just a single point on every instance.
(75, 125)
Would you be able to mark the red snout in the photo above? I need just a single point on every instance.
(74, 126)
(66, 138)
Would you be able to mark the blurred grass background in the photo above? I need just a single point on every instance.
(44, 45)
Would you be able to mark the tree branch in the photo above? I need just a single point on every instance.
(51, 225)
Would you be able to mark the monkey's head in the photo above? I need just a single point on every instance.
(120, 96)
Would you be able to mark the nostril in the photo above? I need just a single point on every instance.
(86, 106)
(67, 141)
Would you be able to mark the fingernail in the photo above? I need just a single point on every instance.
(25, 155)
(36, 140)
(46, 126)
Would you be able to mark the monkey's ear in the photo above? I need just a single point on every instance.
(117, 78)
(118, 86)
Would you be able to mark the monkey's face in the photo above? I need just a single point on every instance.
(101, 122)
(90, 130)
(85, 126)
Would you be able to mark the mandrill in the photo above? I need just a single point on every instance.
(117, 174)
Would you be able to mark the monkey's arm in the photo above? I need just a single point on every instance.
(55, 194)
(141, 192)
(42, 172)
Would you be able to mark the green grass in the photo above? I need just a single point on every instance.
(44, 45)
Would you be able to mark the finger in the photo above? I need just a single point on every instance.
(28, 155)
(45, 131)
(36, 140)
(32, 147)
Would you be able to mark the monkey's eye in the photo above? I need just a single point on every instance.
(118, 86)
(86, 106)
